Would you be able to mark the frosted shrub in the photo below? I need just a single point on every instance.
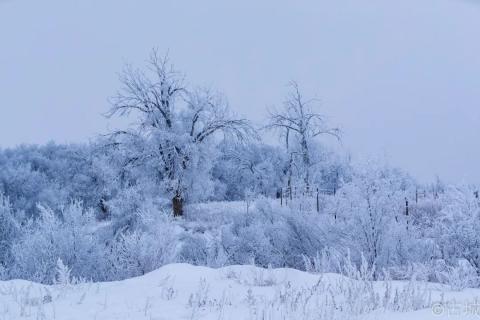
(327, 260)
(150, 246)
(9, 231)
(272, 235)
(458, 234)
(413, 296)
(418, 271)
(68, 235)
(63, 276)
(193, 249)
(459, 277)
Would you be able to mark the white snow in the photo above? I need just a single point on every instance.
(183, 291)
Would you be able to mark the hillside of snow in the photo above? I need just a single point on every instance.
(183, 291)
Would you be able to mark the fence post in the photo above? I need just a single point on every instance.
(281, 197)
(406, 210)
(318, 204)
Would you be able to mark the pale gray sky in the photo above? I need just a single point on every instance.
(401, 77)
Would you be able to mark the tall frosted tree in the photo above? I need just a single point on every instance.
(300, 124)
(175, 125)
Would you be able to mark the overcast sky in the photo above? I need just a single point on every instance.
(402, 78)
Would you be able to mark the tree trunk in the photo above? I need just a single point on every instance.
(103, 208)
(177, 204)
(306, 162)
(290, 173)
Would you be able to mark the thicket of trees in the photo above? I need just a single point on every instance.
(110, 209)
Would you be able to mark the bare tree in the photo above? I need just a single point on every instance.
(172, 120)
(298, 121)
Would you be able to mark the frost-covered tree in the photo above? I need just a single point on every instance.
(9, 231)
(371, 211)
(174, 127)
(299, 124)
(458, 226)
(254, 167)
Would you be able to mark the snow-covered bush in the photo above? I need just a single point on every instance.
(9, 231)
(68, 235)
(255, 167)
(458, 277)
(370, 211)
(268, 234)
(458, 229)
(63, 275)
(147, 246)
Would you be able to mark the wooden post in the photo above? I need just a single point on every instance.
(416, 195)
(104, 208)
(406, 210)
(318, 203)
(281, 197)
(406, 207)
(177, 204)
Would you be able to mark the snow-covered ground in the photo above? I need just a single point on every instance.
(182, 291)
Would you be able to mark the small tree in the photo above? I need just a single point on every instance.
(370, 208)
(175, 125)
(458, 227)
(298, 121)
(9, 230)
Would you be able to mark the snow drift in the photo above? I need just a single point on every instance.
(183, 291)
